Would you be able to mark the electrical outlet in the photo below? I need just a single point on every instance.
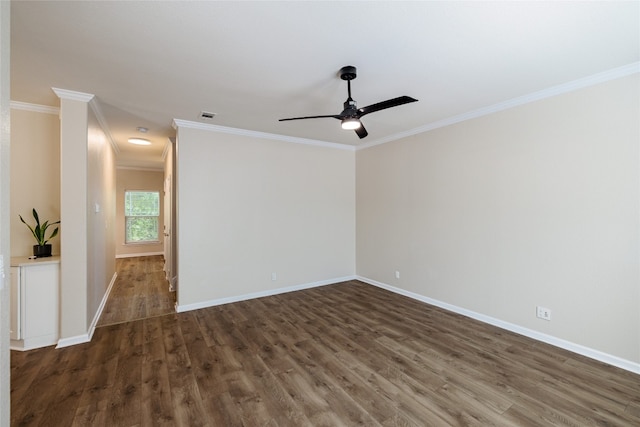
(397, 274)
(543, 313)
(274, 276)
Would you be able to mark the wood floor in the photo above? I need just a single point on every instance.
(140, 291)
(340, 355)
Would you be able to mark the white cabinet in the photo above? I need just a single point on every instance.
(15, 332)
(35, 301)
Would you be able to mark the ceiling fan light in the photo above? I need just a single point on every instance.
(139, 141)
(351, 123)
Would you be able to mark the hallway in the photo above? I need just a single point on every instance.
(140, 291)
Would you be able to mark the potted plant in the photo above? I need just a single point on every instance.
(43, 248)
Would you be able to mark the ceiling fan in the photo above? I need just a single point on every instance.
(351, 114)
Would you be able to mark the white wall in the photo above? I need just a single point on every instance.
(35, 175)
(250, 207)
(536, 205)
(133, 179)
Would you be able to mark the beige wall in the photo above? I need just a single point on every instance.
(101, 215)
(83, 197)
(132, 179)
(251, 207)
(536, 205)
(74, 279)
(35, 176)
(87, 189)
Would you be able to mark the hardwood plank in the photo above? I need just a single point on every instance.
(156, 400)
(100, 381)
(93, 414)
(29, 407)
(124, 407)
(63, 407)
(282, 408)
(140, 291)
(344, 354)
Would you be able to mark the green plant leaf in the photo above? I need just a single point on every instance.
(30, 228)
(54, 234)
(39, 231)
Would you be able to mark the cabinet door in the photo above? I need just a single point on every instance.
(40, 284)
(15, 332)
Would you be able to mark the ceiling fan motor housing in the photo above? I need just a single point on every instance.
(348, 72)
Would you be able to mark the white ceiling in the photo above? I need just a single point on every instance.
(252, 63)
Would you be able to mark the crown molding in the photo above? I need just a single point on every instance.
(141, 168)
(262, 135)
(36, 108)
(95, 106)
(592, 80)
(72, 95)
(167, 147)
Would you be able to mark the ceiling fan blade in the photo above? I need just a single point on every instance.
(334, 116)
(361, 131)
(385, 104)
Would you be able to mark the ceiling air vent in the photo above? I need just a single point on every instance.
(205, 115)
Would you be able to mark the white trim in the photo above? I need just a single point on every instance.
(72, 95)
(95, 106)
(33, 343)
(270, 292)
(167, 148)
(139, 254)
(538, 336)
(262, 135)
(141, 168)
(84, 338)
(78, 339)
(602, 77)
(103, 303)
(36, 108)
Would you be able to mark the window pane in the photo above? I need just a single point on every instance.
(142, 211)
(141, 228)
(141, 203)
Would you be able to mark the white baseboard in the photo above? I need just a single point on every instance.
(270, 292)
(79, 339)
(103, 303)
(538, 336)
(32, 343)
(139, 254)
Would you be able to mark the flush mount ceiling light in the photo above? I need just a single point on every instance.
(139, 141)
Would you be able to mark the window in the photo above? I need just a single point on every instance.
(142, 215)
